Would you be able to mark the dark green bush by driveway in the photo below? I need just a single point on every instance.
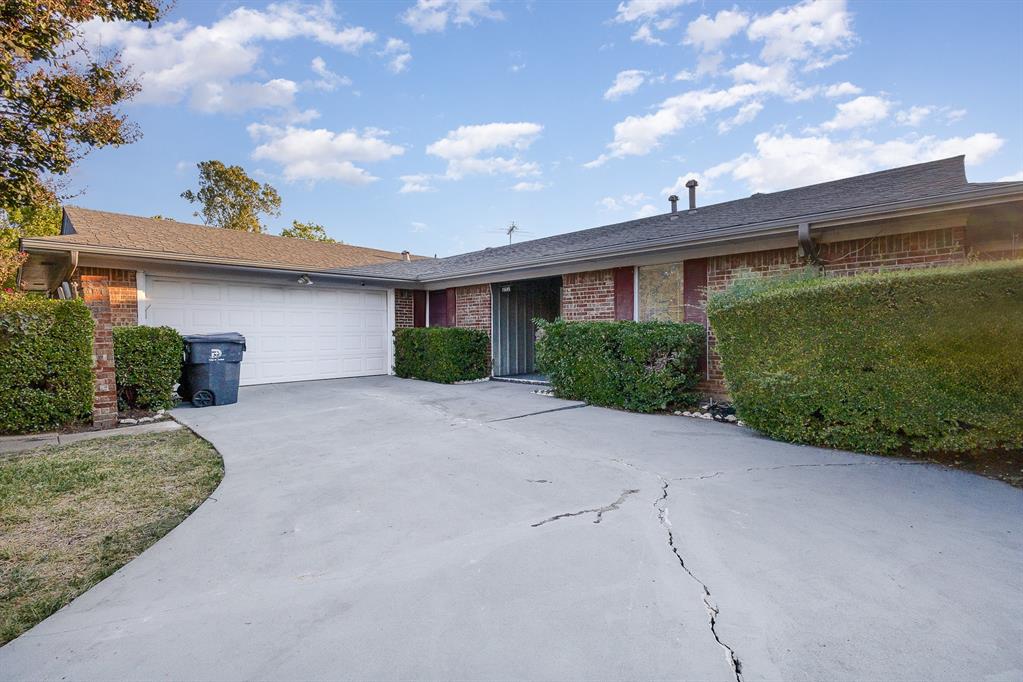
(45, 363)
(640, 366)
(148, 364)
(441, 354)
(924, 360)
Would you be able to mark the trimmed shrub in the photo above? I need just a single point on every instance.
(639, 366)
(147, 365)
(441, 354)
(921, 360)
(46, 378)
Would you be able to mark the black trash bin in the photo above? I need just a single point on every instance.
(211, 369)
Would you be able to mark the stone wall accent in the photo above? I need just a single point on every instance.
(403, 308)
(124, 302)
(588, 296)
(95, 289)
(946, 246)
(473, 307)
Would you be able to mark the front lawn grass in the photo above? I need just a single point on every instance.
(71, 515)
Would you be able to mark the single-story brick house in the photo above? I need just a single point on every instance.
(145, 271)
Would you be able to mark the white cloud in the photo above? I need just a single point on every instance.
(704, 186)
(416, 183)
(646, 10)
(432, 16)
(621, 202)
(955, 115)
(650, 15)
(418, 226)
(626, 83)
(807, 31)
(913, 116)
(236, 97)
(684, 75)
(528, 186)
(320, 154)
(862, 111)
(646, 210)
(644, 34)
(399, 52)
(1015, 177)
(176, 59)
(785, 161)
(709, 34)
(328, 80)
(747, 112)
(842, 90)
(639, 135)
(464, 149)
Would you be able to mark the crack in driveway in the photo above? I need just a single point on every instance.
(533, 414)
(747, 470)
(661, 504)
(599, 511)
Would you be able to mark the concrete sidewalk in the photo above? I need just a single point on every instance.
(37, 440)
(390, 529)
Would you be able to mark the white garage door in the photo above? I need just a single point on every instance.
(291, 333)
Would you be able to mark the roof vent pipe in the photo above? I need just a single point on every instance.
(406, 256)
(692, 193)
(674, 203)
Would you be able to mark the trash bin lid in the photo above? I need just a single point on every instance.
(222, 337)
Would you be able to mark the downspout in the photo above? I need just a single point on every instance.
(808, 249)
(71, 269)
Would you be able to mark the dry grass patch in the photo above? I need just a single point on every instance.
(71, 515)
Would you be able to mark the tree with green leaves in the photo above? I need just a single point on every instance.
(58, 101)
(229, 198)
(311, 231)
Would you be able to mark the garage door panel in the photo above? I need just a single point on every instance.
(292, 334)
(206, 292)
(273, 318)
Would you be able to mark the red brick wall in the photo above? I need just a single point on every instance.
(892, 252)
(472, 307)
(588, 295)
(402, 308)
(96, 294)
(124, 302)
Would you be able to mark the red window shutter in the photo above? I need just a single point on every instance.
(451, 308)
(625, 298)
(439, 308)
(694, 289)
(418, 308)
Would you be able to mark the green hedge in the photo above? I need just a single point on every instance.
(148, 364)
(640, 366)
(441, 354)
(924, 360)
(46, 378)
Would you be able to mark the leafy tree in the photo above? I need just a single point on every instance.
(231, 199)
(30, 221)
(58, 101)
(311, 231)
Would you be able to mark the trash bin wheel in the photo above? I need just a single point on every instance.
(202, 398)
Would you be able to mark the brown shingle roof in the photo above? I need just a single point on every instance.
(129, 233)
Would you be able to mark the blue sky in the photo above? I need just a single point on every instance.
(432, 125)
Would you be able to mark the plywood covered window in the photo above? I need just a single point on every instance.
(660, 293)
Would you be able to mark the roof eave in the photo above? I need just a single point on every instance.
(823, 220)
(43, 244)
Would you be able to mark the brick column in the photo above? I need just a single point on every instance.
(96, 294)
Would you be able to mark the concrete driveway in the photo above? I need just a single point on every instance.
(390, 529)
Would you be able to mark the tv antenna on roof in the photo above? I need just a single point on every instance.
(511, 231)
